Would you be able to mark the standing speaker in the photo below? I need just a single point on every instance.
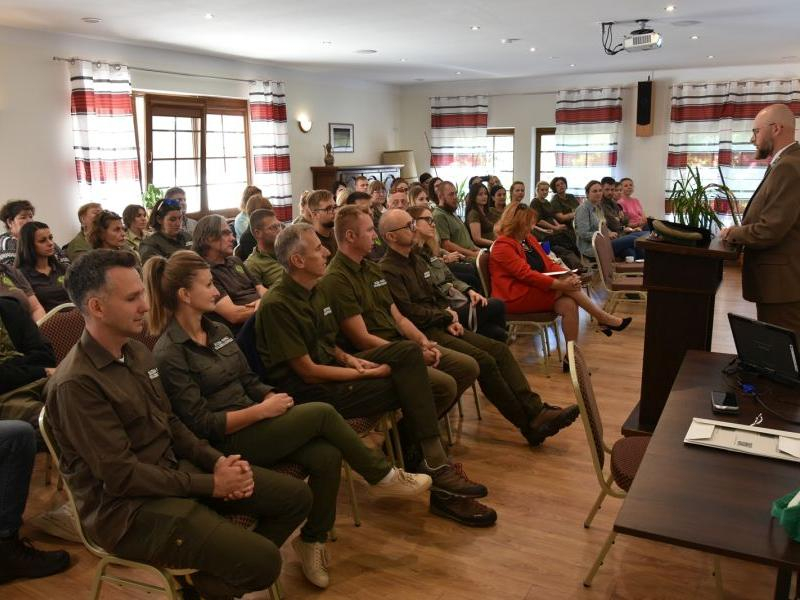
(644, 109)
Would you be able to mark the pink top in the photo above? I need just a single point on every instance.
(633, 211)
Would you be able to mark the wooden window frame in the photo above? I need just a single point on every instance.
(537, 170)
(196, 107)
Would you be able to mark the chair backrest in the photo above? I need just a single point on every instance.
(482, 263)
(246, 339)
(55, 453)
(147, 339)
(590, 416)
(603, 228)
(604, 254)
(63, 326)
(238, 251)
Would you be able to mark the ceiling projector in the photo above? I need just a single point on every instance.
(638, 40)
(643, 38)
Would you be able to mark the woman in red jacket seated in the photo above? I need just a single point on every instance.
(518, 265)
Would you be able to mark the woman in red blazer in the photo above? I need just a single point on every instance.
(517, 266)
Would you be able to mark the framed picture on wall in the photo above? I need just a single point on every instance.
(340, 136)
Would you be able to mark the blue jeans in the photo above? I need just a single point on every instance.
(626, 245)
(17, 451)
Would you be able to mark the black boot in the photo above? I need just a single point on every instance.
(18, 558)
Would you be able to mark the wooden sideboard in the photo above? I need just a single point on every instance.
(323, 177)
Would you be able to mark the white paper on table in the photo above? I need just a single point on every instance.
(789, 446)
(700, 431)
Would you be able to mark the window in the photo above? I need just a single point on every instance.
(500, 154)
(201, 145)
(545, 168)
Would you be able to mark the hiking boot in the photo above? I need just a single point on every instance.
(314, 558)
(550, 420)
(466, 511)
(18, 558)
(401, 485)
(451, 479)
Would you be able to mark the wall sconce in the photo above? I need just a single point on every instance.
(304, 123)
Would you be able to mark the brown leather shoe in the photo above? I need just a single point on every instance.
(451, 479)
(466, 511)
(550, 420)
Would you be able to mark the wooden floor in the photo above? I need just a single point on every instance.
(538, 549)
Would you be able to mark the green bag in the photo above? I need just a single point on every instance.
(788, 517)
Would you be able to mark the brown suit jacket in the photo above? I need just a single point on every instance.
(770, 234)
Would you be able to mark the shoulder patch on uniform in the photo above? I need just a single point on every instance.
(378, 283)
(152, 373)
(221, 343)
(239, 269)
(426, 274)
(327, 311)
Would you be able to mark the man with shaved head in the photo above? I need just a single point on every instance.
(770, 229)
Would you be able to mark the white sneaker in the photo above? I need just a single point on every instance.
(402, 485)
(59, 522)
(314, 559)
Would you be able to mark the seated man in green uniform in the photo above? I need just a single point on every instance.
(261, 263)
(26, 360)
(239, 290)
(296, 333)
(80, 244)
(145, 487)
(453, 233)
(501, 378)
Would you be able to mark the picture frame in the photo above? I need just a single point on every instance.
(341, 137)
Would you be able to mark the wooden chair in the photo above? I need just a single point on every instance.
(618, 288)
(63, 327)
(625, 455)
(534, 323)
(167, 584)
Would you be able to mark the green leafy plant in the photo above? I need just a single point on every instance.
(151, 195)
(692, 202)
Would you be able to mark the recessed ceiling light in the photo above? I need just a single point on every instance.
(533, 49)
(326, 42)
(695, 37)
(710, 56)
(209, 16)
(475, 27)
(92, 20)
(571, 64)
(366, 51)
(670, 8)
(402, 60)
(458, 72)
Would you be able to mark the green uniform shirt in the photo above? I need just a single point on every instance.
(232, 279)
(450, 227)
(77, 246)
(204, 383)
(360, 289)
(264, 267)
(564, 205)
(487, 223)
(159, 244)
(291, 322)
(414, 293)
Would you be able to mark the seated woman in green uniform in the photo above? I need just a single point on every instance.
(37, 260)
(166, 220)
(219, 398)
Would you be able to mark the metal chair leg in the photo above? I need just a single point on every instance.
(597, 503)
(460, 409)
(449, 429)
(477, 401)
(348, 475)
(48, 469)
(398, 448)
(587, 582)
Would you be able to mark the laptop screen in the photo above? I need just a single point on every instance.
(766, 348)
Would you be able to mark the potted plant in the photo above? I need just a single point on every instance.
(151, 195)
(693, 203)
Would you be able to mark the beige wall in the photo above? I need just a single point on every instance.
(35, 135)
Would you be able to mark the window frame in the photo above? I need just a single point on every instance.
(537, 169)
(494, 132)
(196, 107)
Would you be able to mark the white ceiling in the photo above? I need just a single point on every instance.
(434, 37)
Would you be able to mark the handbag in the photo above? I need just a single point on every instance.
(459, 299)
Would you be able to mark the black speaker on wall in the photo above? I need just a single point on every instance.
(644, 109)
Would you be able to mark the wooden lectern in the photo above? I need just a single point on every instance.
(681, 284)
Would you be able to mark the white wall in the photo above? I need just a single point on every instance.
(528, 103)
(36, 160)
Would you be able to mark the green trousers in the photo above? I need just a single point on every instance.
(23, 403)
(230, 560)
(501, 379)
(315, 436)
(454, 374)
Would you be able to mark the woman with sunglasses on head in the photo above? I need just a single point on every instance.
(214, 392)
(479, 223)
(36, 259)
(490, 313)
(518, 266)
(166, 220)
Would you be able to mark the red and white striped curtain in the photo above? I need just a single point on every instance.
(459, 146)
(711, 126)
(587, 135)
(103, 134)
(269, 138)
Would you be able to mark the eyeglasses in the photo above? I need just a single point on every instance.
(330, 209)
(411, 226)
(428, 220)
(757, 129)
(275, 227)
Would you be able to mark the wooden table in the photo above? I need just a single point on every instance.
(713, 500)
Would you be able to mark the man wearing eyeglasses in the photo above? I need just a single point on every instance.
(770, 229)
(323, 207)
(262, 263)
(501, 379)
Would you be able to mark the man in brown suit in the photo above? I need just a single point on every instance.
(770, 229)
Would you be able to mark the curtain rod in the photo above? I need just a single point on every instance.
(150, 70)
(540, 93)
